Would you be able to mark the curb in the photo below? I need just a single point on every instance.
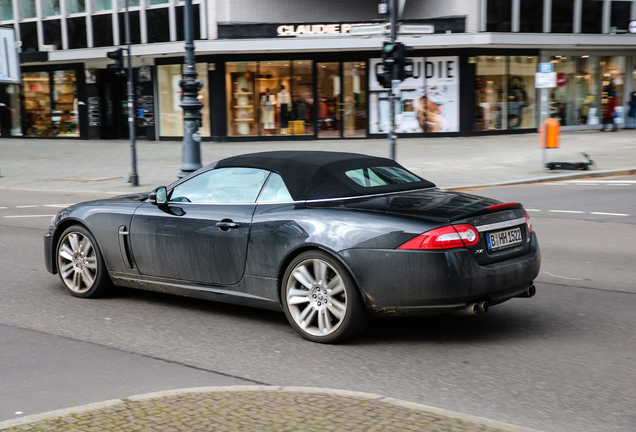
(558, 177)
(307, 390)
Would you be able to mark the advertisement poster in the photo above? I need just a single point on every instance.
(429, 102)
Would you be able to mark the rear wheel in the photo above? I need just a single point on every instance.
(80, 263)
(321, 300)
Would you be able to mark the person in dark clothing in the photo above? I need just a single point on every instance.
(610, 112)
(631, 114)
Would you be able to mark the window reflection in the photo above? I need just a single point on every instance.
(64, 116)
(37, 104)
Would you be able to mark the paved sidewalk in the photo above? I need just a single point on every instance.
(261, 408)
(104, 166)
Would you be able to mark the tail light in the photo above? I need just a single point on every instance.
(502, 206)
(446, 237)
(528, 223)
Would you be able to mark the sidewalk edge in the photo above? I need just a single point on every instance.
(360, 395)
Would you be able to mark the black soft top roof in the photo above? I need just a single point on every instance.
(320, 175)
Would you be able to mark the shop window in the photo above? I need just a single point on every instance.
(52, 7)
(491, 88)
(242, 98)
(301, 122)
(170, 111)
(135, 32)
(531, 16)
(78, 6)
(158, 31)
(562, 106)
(274, 97)
(6, 10)
(76, 28)
(64, 116)
(37, 104)
(52, 33)
(613, 84)
(179, 21)
(499, 16)
(354, 114)
(28, 9)
(29, 36)
(592, 16)
(102, 30)
(586, 107)
(521, 93)
(620, 16)
(562, 16)
(156, 2)
(329, 99)
(103, 5)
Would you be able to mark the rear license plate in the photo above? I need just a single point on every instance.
(503, 239)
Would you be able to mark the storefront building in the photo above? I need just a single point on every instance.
(306, 77)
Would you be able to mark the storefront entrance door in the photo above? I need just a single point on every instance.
(342, 102)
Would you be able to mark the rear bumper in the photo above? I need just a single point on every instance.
(396, 282)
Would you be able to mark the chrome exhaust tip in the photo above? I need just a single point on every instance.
(529, 292)
(483, 307)
(470, 309)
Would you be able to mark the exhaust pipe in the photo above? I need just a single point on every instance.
(469, 309)
(483, 307)
(530, 292)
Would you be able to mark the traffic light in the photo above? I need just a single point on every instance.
(118, 66)
(405, 65)
(390, 52)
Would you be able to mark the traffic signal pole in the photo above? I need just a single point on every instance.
(394, 76)
(134, 178)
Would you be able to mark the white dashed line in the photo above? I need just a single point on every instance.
(608, 214)
(28, 216)
(57, 205)
(566, 211)
(26, 206)
(617, 184)
(1, 208)
(533, 210)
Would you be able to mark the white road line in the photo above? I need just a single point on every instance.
(566, 211)
(533, 210)
(602, 181)
(57, 205)
(26, 206)
(608, 214)
(28, 216)
(617, 184)
(2, 208)
(584, 184)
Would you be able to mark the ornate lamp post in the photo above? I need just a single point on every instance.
(190, 87)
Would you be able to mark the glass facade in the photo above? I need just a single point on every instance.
(13, 91)
(37, 104)
(78, 6)
(52, 7)
(499, 16)
(6, 10)
(170, 111)
(505, 93)
(102, 5)
(28, 9)
(531, 16)
(269, 98)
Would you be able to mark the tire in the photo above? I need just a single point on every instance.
(325, 308)
(80, 263)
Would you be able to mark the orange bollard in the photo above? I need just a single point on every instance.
(553, 132)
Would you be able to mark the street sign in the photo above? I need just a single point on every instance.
(632, 26)
(546, 68)
(417, 29)
(9, 59)
(366, 29)
(545, 80)
(395, 87)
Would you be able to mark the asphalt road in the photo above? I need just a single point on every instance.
(561, 361)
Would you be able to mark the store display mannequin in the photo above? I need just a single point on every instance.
(268, 109)
(284, 106)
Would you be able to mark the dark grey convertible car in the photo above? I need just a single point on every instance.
(331, 239)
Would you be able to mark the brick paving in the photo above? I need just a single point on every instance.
(275, 411)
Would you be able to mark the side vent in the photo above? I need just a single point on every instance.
(124, 247)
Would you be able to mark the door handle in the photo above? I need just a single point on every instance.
(226, 224)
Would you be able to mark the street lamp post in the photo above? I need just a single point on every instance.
(134, 177)
(191, 105)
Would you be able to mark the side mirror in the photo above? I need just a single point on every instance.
(158, 196)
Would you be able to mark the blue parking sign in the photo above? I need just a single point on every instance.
(546, 67)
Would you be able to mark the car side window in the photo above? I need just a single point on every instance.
(223, 186)
(275, 190)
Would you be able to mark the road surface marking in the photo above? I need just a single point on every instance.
(567, 211)
(57, 205)
(533, 210)
(618, 184)
(602, 181)
(608, 214)
(28, 216)
(26, 206)
(2, 207)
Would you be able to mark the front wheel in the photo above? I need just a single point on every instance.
(80, 263)
(321, 300)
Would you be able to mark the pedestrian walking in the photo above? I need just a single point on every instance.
(610, 112)
(631, 114)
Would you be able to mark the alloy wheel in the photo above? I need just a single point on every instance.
(77, 262)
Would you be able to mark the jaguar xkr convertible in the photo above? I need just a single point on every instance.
(332, 239)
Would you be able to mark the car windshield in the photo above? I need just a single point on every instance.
(381, 176)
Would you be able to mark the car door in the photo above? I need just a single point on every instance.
(201, 233)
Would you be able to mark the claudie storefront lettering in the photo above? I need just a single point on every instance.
(313, 29)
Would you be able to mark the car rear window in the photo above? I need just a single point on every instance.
(381, 176)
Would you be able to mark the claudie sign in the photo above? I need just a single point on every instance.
(313, 29)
